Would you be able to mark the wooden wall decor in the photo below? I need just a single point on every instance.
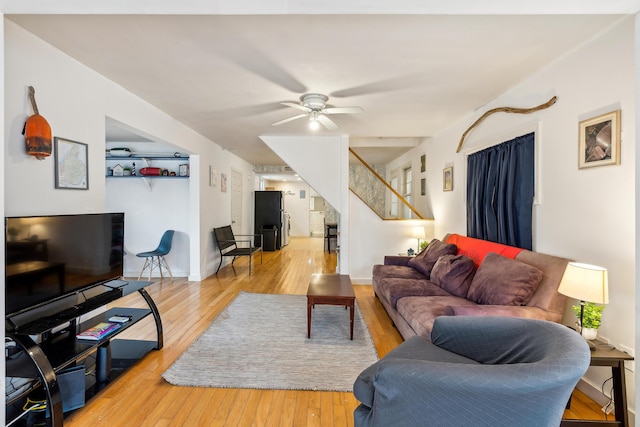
(546, 105)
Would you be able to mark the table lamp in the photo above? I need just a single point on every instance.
(587, 283)
(418, 233)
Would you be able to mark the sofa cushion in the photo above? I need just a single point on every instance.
(420, 312)
(425, 260)
(454, 273)
(394, 288)
(403, 271)
(503, 281)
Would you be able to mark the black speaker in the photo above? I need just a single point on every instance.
(103, 363)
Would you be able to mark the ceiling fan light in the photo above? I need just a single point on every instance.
(313, 121)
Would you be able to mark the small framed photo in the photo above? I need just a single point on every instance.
(212, 176)
(447, 179)
(423, 163)
(183, 170)
(71, 164)
(223, 182)
(599, 141)
(423, 186)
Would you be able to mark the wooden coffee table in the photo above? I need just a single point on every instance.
(331, 289)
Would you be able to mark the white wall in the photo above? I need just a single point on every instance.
(76, 100)
(586, 215)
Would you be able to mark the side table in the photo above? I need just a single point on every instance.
(615, 359)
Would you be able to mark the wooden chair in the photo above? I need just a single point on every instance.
(228, 245)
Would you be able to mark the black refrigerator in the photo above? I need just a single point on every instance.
(269, 214)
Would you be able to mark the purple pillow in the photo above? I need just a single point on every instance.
(425, 260)
(503, 281)
(454, 274)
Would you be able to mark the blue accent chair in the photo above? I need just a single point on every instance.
(155, 258)
(477, 371)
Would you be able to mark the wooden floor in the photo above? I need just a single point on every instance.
(140, 397)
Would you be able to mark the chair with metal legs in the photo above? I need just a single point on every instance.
(155, 258)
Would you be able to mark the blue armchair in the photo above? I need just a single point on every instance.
(477, 371)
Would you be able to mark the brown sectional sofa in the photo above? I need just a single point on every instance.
(465, 276)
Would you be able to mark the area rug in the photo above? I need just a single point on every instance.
(260, 341)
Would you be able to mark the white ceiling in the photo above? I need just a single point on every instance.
(225, 76)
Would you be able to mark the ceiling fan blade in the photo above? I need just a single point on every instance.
(327, 122)
(299, 116)
(342, 110)
(298, 106)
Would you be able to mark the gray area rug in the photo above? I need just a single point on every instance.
(260, 341)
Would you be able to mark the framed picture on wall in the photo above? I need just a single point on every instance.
(423, 186)
(71, 164)
(223, 182)
(599, 141)
(423, 163)
(447, 179)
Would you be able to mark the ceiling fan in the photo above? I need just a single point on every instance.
(314, 107)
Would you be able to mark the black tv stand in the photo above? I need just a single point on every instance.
(61, 350)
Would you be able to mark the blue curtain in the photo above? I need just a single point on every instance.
(500, 189)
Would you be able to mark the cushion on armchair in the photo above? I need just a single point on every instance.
(425, 260)
(503, 281)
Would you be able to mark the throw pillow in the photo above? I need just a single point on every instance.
(503, 281)
(454, 274)
(426, 259)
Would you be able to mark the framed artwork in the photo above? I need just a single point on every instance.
(223, 182)
(423, 163)
(303, 194)
(423, 186)
(212, 176)
(447, 179)
(71, 164)
(599, 141)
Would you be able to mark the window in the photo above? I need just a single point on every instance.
(407, 191)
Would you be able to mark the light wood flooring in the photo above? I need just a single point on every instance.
(140, 397)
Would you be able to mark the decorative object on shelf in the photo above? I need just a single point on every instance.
(183, 170)
(71, 164)
(590, 285)
(127, 171)
(599, 143)
(37, 131)
(120, 152)
(546, 105)
(418, 233)
(133, 169)
(149, 171)
(117, 170)
(447, 179)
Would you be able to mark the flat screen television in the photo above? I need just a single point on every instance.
(51, 257)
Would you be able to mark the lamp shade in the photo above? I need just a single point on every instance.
(585, 282)
(418, 233)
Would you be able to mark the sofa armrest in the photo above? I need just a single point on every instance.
(396, 260)
(412, 392)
